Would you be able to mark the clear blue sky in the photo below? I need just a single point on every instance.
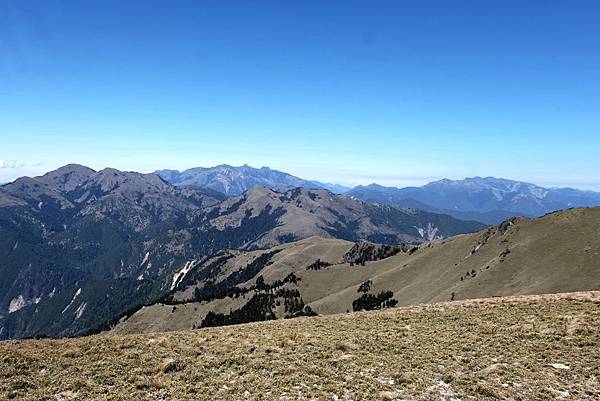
(394, 92)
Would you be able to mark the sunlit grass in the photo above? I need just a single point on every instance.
(492, 349)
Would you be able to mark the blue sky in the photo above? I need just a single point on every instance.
(394, 92)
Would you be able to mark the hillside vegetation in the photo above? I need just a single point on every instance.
(523, 348)
(555, 253)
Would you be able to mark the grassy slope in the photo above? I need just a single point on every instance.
(294, 257)
(559, 252)
(484, 350)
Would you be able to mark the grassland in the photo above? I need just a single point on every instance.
(518, 348)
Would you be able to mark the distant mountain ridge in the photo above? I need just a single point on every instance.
(489, 200)
(233, 181)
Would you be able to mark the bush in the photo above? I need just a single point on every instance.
(365, 287)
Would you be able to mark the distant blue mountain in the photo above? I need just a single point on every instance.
(232, 181)
(488, 200)
(485, 199)
(335, 188)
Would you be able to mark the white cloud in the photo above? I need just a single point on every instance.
(12, 164)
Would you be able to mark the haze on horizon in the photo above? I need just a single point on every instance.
(343, 92)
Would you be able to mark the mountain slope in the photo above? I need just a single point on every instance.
(78, 247)
(374, 193)
(489, 200)
(74, 238)
(302, 213)
(234, 181)
(555, 253)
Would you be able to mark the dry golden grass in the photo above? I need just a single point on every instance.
(472, 350)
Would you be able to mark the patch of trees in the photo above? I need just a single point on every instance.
(317, 265)
(365, 251)
(207, 239)
(471, 274)
(258, 308)
(370, 301)
(292, 300)
(290, 278)
(108, 315)
(293, 305)
(228, 286)
(260, 284)
(197, 275)
(342, 228)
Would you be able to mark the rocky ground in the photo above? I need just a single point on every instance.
(518, 348)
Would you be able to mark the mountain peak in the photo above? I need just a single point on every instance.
(233, 181)
(259, 191)
(72, 167)
(375, 186)
(68, 177)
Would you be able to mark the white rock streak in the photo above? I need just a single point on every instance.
(72, 301)
(429, 233)
(182, 273)
(80, 310)
(16, 303)
(145, 259)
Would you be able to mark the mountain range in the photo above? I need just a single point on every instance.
(79, 248)
(485, 199)
(489, 200)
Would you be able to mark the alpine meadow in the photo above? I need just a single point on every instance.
(345, 201)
